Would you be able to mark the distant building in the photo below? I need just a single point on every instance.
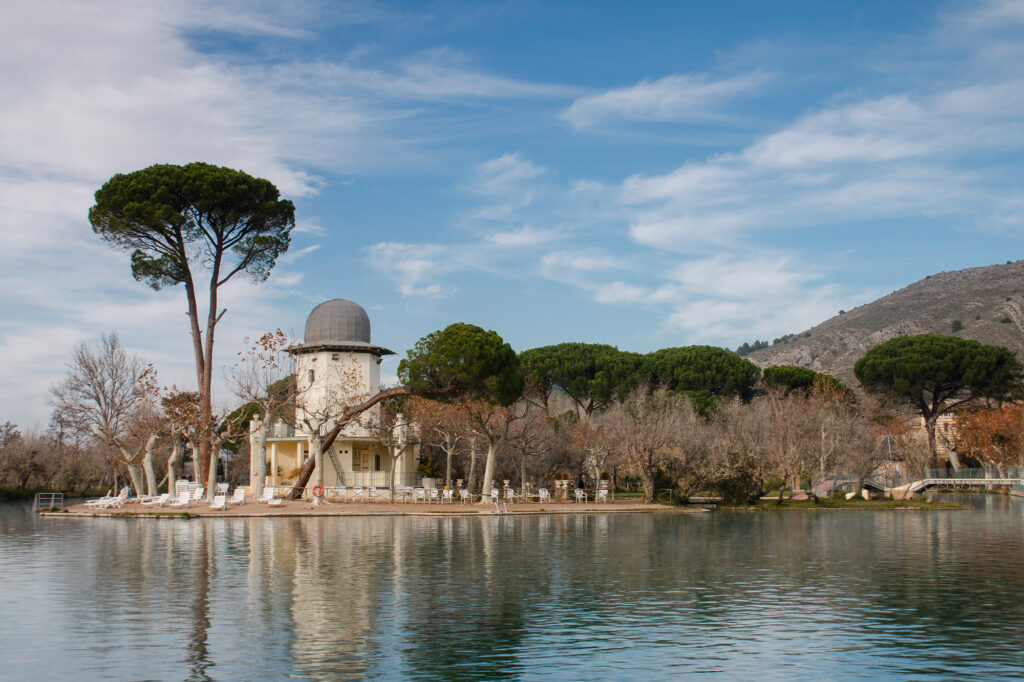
(338, 364)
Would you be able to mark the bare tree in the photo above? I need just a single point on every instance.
(109, 394)
(645, 429)
(259, 378)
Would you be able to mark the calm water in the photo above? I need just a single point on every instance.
(768, 595)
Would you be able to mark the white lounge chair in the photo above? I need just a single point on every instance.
(109, 501)
(184, 498)
(268, 494)
(220, 503)
(581, 495)
(197, 495)
(276, 502)
(158, 501)
(464, 496)
(419, 495)
(238, 497)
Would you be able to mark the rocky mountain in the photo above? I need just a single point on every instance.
(985, 304)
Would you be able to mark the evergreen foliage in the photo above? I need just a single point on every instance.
(466, 360)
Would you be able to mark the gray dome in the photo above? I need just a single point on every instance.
(337, 322)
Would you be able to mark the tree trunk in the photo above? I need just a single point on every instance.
(317, 455)
(933, 448)
(649, 491)
(485, 490)
(174, 463)
(448, 467)
(472, 465)
(261, 459)
(197, 468)
(211, 478)
(147, 464)
(135, 474)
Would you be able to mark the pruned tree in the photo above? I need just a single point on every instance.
(182, 412)
(183, 222)
(936, 375)
(263, 379)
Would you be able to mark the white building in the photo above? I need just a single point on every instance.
(337, 366)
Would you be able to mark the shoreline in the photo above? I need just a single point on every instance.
(304, 509)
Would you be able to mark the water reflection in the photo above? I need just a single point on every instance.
(772, 595)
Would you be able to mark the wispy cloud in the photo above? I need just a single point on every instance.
(679, 97)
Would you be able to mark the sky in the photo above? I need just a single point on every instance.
(645, 174)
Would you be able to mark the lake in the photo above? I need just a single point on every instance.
(767, 595)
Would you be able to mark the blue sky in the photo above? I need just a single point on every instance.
(644, 174)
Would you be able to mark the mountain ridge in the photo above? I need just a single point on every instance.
(986, 301)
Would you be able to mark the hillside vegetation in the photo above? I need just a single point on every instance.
(985, 304)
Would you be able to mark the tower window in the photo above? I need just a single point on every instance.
(311, 375)
(334, 356)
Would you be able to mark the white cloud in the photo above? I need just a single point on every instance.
(526, 236)
(679, 97)
(415, 268)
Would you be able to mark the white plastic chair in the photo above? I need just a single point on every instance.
(268, 494)
(435, 495)
(220, 503)
(419, 495)
(448, 495)
(602, 496)
(197, 495)
(494, 494)
(238, 497)
(544, 495)
(222, 489)
(464, 496)
(581, 495)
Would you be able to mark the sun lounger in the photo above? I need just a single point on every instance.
(108, 501)
(197, 495)
(220, 503)
(184, 498)
(158, 501)
(276, 502)
(238, 497)
(268, 494)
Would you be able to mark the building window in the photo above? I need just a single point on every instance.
(334, 356)
(376, 462)
(311, 375)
